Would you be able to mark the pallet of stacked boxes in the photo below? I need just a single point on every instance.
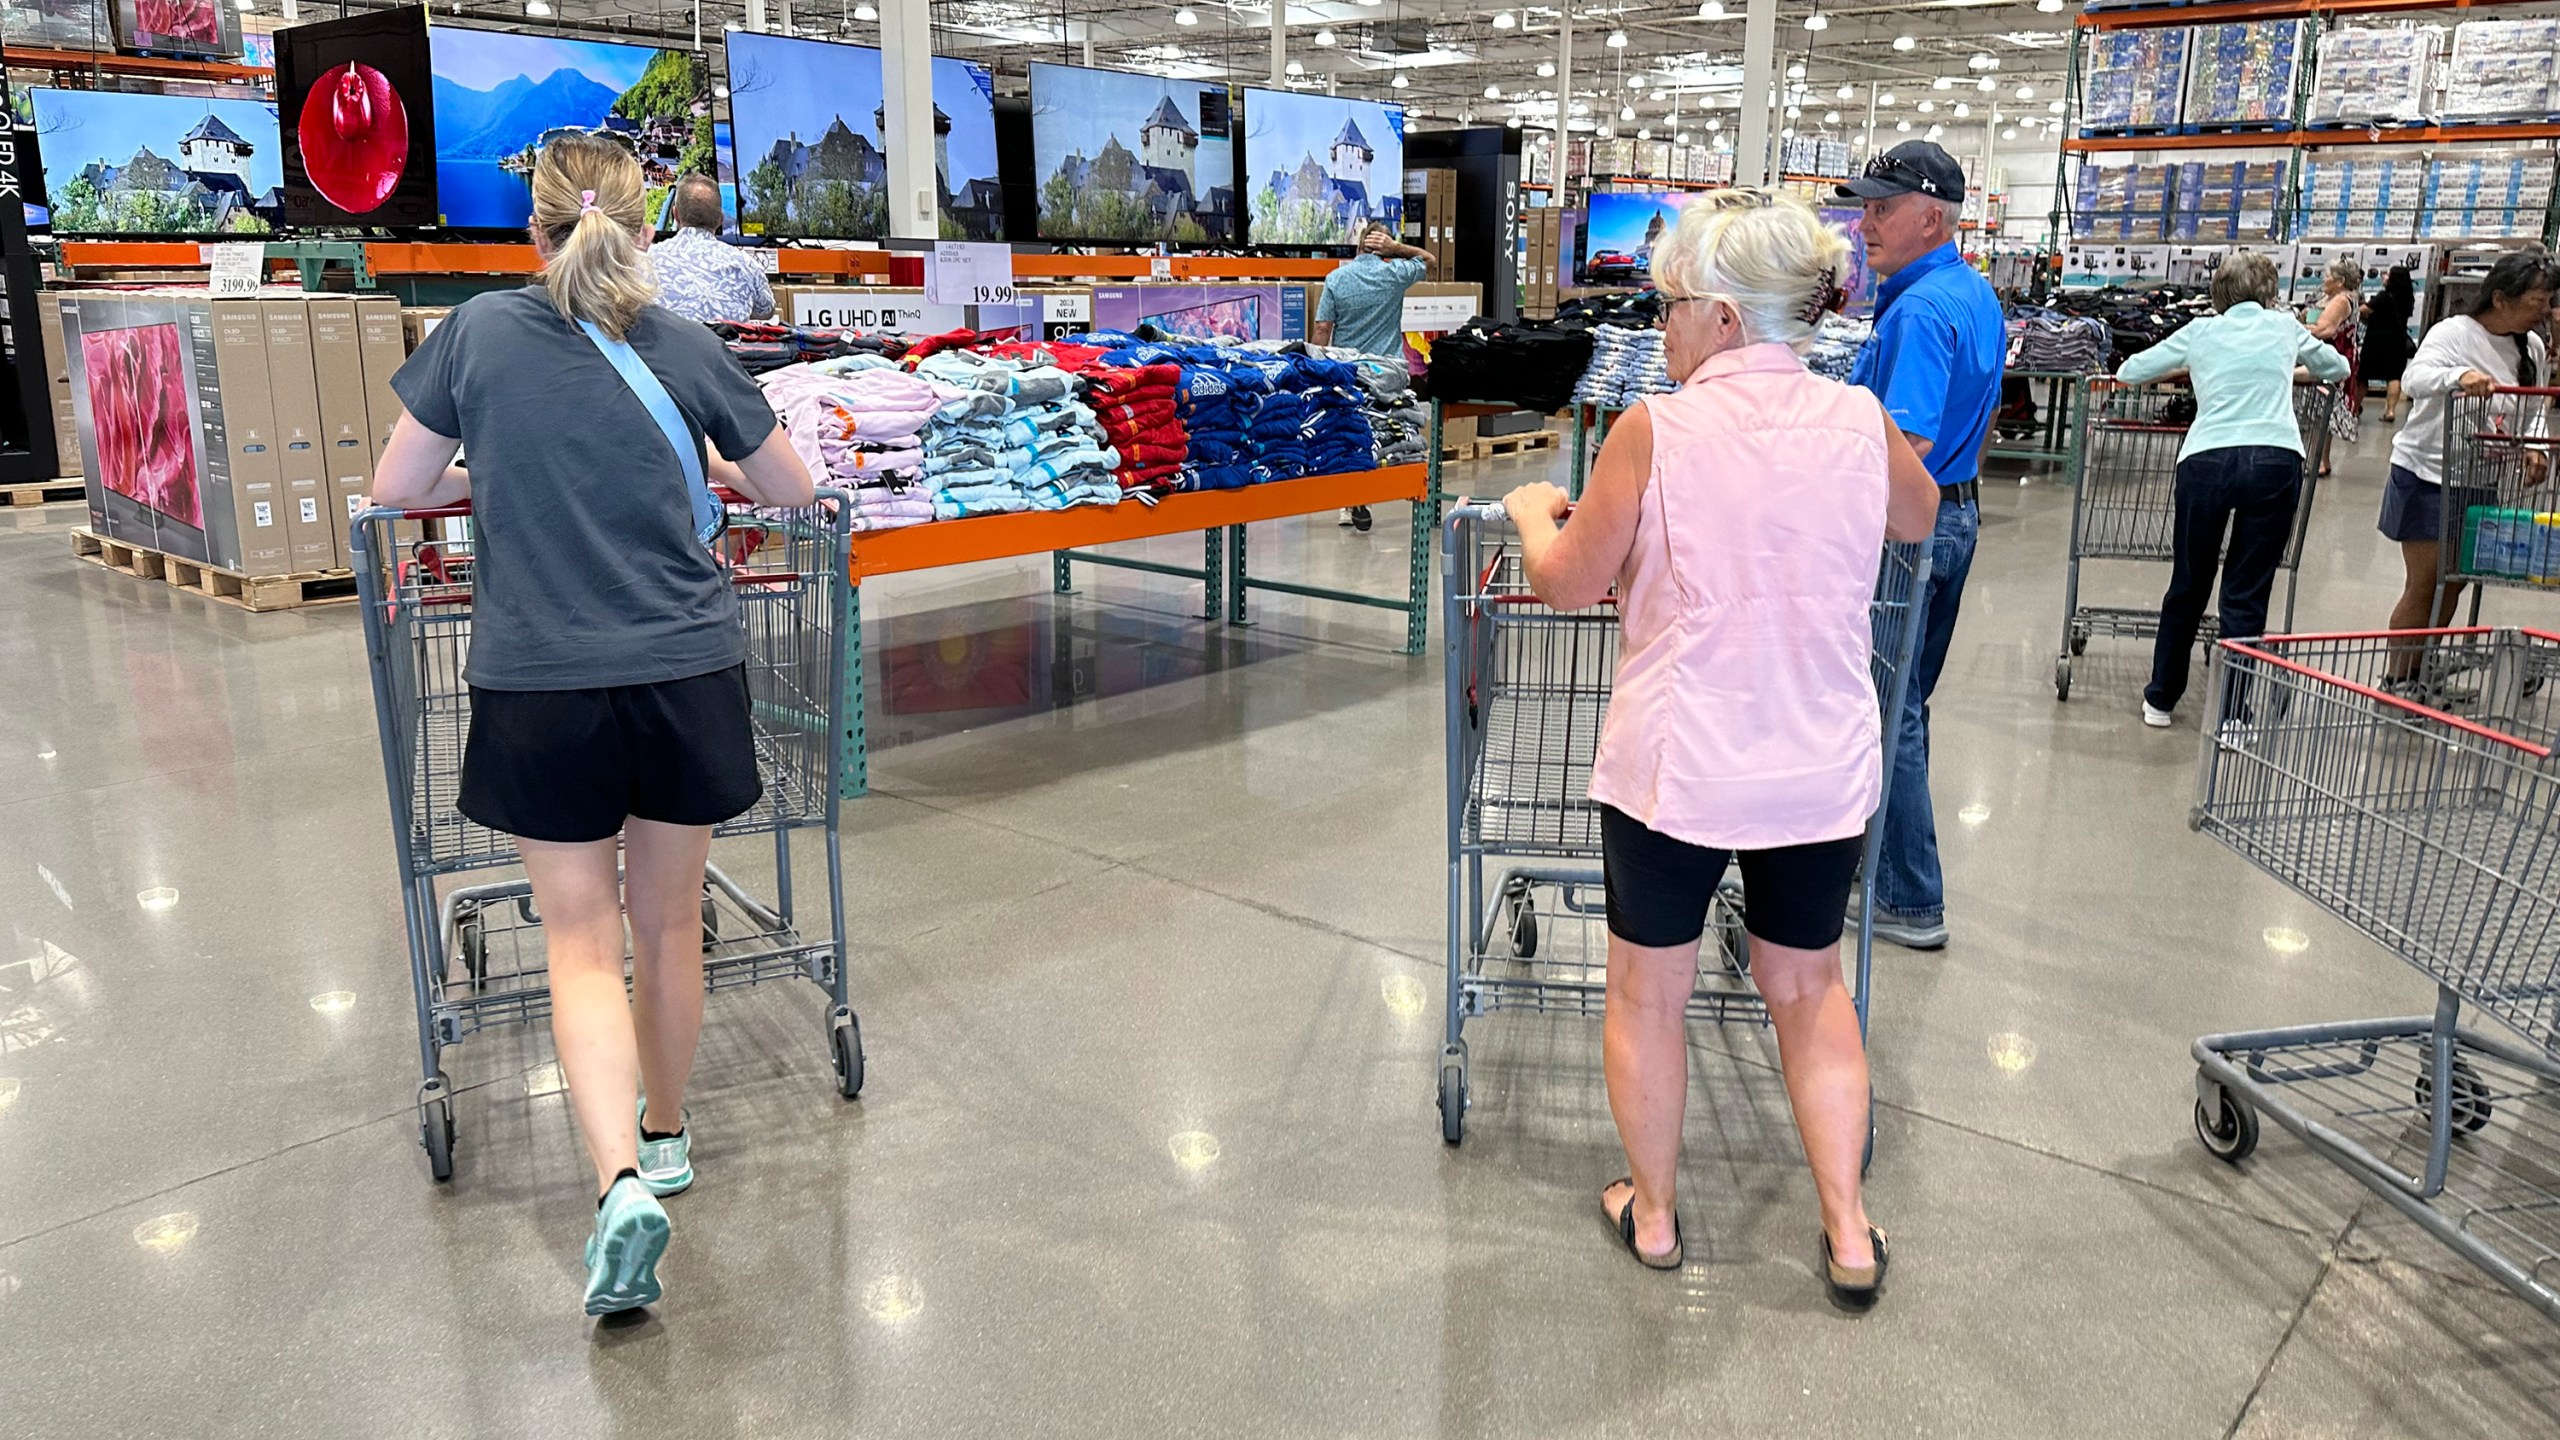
(2132, 81)
(2373, 76)
(2503, 70)
(2241, 76)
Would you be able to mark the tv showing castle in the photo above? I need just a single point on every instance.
(812, 137)
(1132, 158)
(118, 164)
(1320, 167)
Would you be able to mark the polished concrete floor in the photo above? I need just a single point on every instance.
(1146, 936)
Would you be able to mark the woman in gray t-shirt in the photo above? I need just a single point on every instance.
(607, 670)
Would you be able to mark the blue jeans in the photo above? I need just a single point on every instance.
(2235, 510)
(1907, 884)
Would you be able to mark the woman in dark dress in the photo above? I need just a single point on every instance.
(2386, 337)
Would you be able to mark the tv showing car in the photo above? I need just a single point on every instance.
(812, 138)
(356, 99)
(1619, 233)
(1132, 158)
(119, 164)
(1320, 168)
(497, 94)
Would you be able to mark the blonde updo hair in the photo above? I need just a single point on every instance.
(598, 270)
(1767, 253)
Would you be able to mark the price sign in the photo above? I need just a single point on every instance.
(769, 260)
(964, 273)
(1159, 267)
(238, 269)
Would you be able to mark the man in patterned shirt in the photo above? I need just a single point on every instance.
(699, 276)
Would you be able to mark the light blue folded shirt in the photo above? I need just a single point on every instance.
(2241, 364)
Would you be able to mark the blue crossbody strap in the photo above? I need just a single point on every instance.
(709, 515)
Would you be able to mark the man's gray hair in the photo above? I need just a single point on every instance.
(2244, 275)
(697, 203)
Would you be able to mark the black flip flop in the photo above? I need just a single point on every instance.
(1855, 1291)
(1624, 1223)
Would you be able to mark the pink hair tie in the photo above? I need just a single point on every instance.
(586, 201)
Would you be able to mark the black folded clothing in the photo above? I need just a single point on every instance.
(1533, 366)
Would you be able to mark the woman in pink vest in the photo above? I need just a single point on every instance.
(1741, 519)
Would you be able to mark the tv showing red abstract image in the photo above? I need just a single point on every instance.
(355, 96)
(197, 20)
(179, 27)
(355, 138)
(138, 407)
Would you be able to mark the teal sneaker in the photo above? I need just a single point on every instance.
(622, 1254)
(666, 1166)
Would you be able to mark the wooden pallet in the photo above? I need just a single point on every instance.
(247, 592)
(43, 492)
(1486, 449)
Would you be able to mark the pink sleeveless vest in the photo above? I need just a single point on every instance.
(1744, 716)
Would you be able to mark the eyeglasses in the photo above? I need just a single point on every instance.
(1887, 167)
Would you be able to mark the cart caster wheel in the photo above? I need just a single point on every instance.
(435, 1131)
(1453, 1094)
(844, 1044)
(2062, 678)
(710, 924)
(1524, 935)
(2471, 1108)
(2227, 1125)
(473, 941)
(2079, 642)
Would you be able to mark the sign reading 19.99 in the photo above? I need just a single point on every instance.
(965, 273)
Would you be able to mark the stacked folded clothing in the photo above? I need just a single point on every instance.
(763, 345)
(1140, 416)
(2041, 339)
(1836, 345)
(1626, 366)
(856, 422)
(1338, 438)
(1215, 401)
(1399, 423)
(1009, 437)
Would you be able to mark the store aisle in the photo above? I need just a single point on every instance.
(1148, 958)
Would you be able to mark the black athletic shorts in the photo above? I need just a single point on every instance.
(1658, 887)
(572, 765)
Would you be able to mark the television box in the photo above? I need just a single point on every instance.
(811, 125)
(496, 93)
(378, 334)
(1132, 158)
(242, 470)
(355, 101)
(1319, 167)
(1205, 312)
(302, 453)
(182, 165)
(57, 370)
(346, 430)
(204, 29)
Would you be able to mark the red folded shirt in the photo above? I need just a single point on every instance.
(1117, 381)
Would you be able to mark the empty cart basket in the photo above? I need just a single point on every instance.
(476, 952)
(2434, 829)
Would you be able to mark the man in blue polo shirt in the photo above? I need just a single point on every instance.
(1935, 362)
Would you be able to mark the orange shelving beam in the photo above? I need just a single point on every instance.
(465, 258)
(25, 57)
(2313, 139)
(2231, 10)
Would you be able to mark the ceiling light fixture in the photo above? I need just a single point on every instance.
(1617, 39)
(1714, 123)
(1937, 130)
(1493, 92)
(1515, 122)
(1606, 132)
(1502, 20)
(1904, 42)
(1984, 60)
(1847, 92)
(1324, 37)
(1963, 110)
(1711, 10)
(872, 12)
(2026, 92)
(2049, 6)
(1928, 107)
(1796, 71)
(1793, 111)
(2055, 107)
(1884, 97)
(1400, 81)
(1183, 16)
(2012, 132)
(1294, 68)
(537, 8)
(1645, 134)
(1817, 20)
(1986, 84)
(1902, 125)
(1626, 112)
(1546, 69)
(1942, 83)
(1830, 117)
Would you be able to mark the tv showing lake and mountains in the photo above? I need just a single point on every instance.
(1318, 168)
(812, 136)
(1619, 233)
(356, 97)
(1132, 158)
(118, 164)
(497, 94)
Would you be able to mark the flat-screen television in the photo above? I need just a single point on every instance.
(58, 24)
(812, 141)
(356, 99)
(1319, 167)
(118, 164)
(1133, 158)
(207, 28)
(497, 94)
(1619, 233)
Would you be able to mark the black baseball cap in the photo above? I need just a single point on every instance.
(1912, 167)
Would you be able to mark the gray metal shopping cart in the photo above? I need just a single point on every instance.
(2124, 506)
(2435, 831)
(2501, 493)
(476, 950)
(1528, 689)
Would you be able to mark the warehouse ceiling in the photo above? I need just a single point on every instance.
(1955, 64)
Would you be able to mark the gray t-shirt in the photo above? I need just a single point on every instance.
(586, 570)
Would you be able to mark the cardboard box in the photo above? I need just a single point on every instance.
(346, 430)
(302, 454)
(378, 327)
(57, 369)
(239, 424)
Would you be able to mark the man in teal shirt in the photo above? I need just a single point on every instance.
(2240, 467)
(1363, 308)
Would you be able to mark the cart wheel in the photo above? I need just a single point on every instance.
(710, 923)
(2471, 1108)
(2062, 678)
(1453, 1094)
(1524, 935)
(2226, 1125)
(2079, 642)
(844, 1043)
(435, 1130)
(473, 941)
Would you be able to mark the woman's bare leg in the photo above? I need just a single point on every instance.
(2391, 401)
(2423, 604)
(1825, 1060)
(1644, 1052)
(575, 888)
(662, 882)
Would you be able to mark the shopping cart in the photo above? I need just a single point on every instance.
(1528, 688)
(2501, 496)
(2436, 831)
(476, 950)
(2125, 504)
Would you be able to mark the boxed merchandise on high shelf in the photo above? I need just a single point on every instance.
(2363, 194)
(1653, 158)
(2503, 70)
(2241, 76)
(2228, 200)
(2122, 202)
(2486, 196)
(2133, 81)
(2376, 76)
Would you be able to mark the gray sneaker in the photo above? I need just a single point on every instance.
(1911, 934)
(666, 1166)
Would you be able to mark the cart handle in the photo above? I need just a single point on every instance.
(2469, 727)
(2545, 391)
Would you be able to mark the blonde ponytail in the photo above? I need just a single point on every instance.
(587, 208)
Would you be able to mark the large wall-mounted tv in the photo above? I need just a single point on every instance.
(208, 28)
(356, 100)
(812, 141)
(1133, 158)
(1319, 167)
(497, 93)
(117, 164)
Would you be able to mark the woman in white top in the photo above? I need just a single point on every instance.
(2474, 353)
